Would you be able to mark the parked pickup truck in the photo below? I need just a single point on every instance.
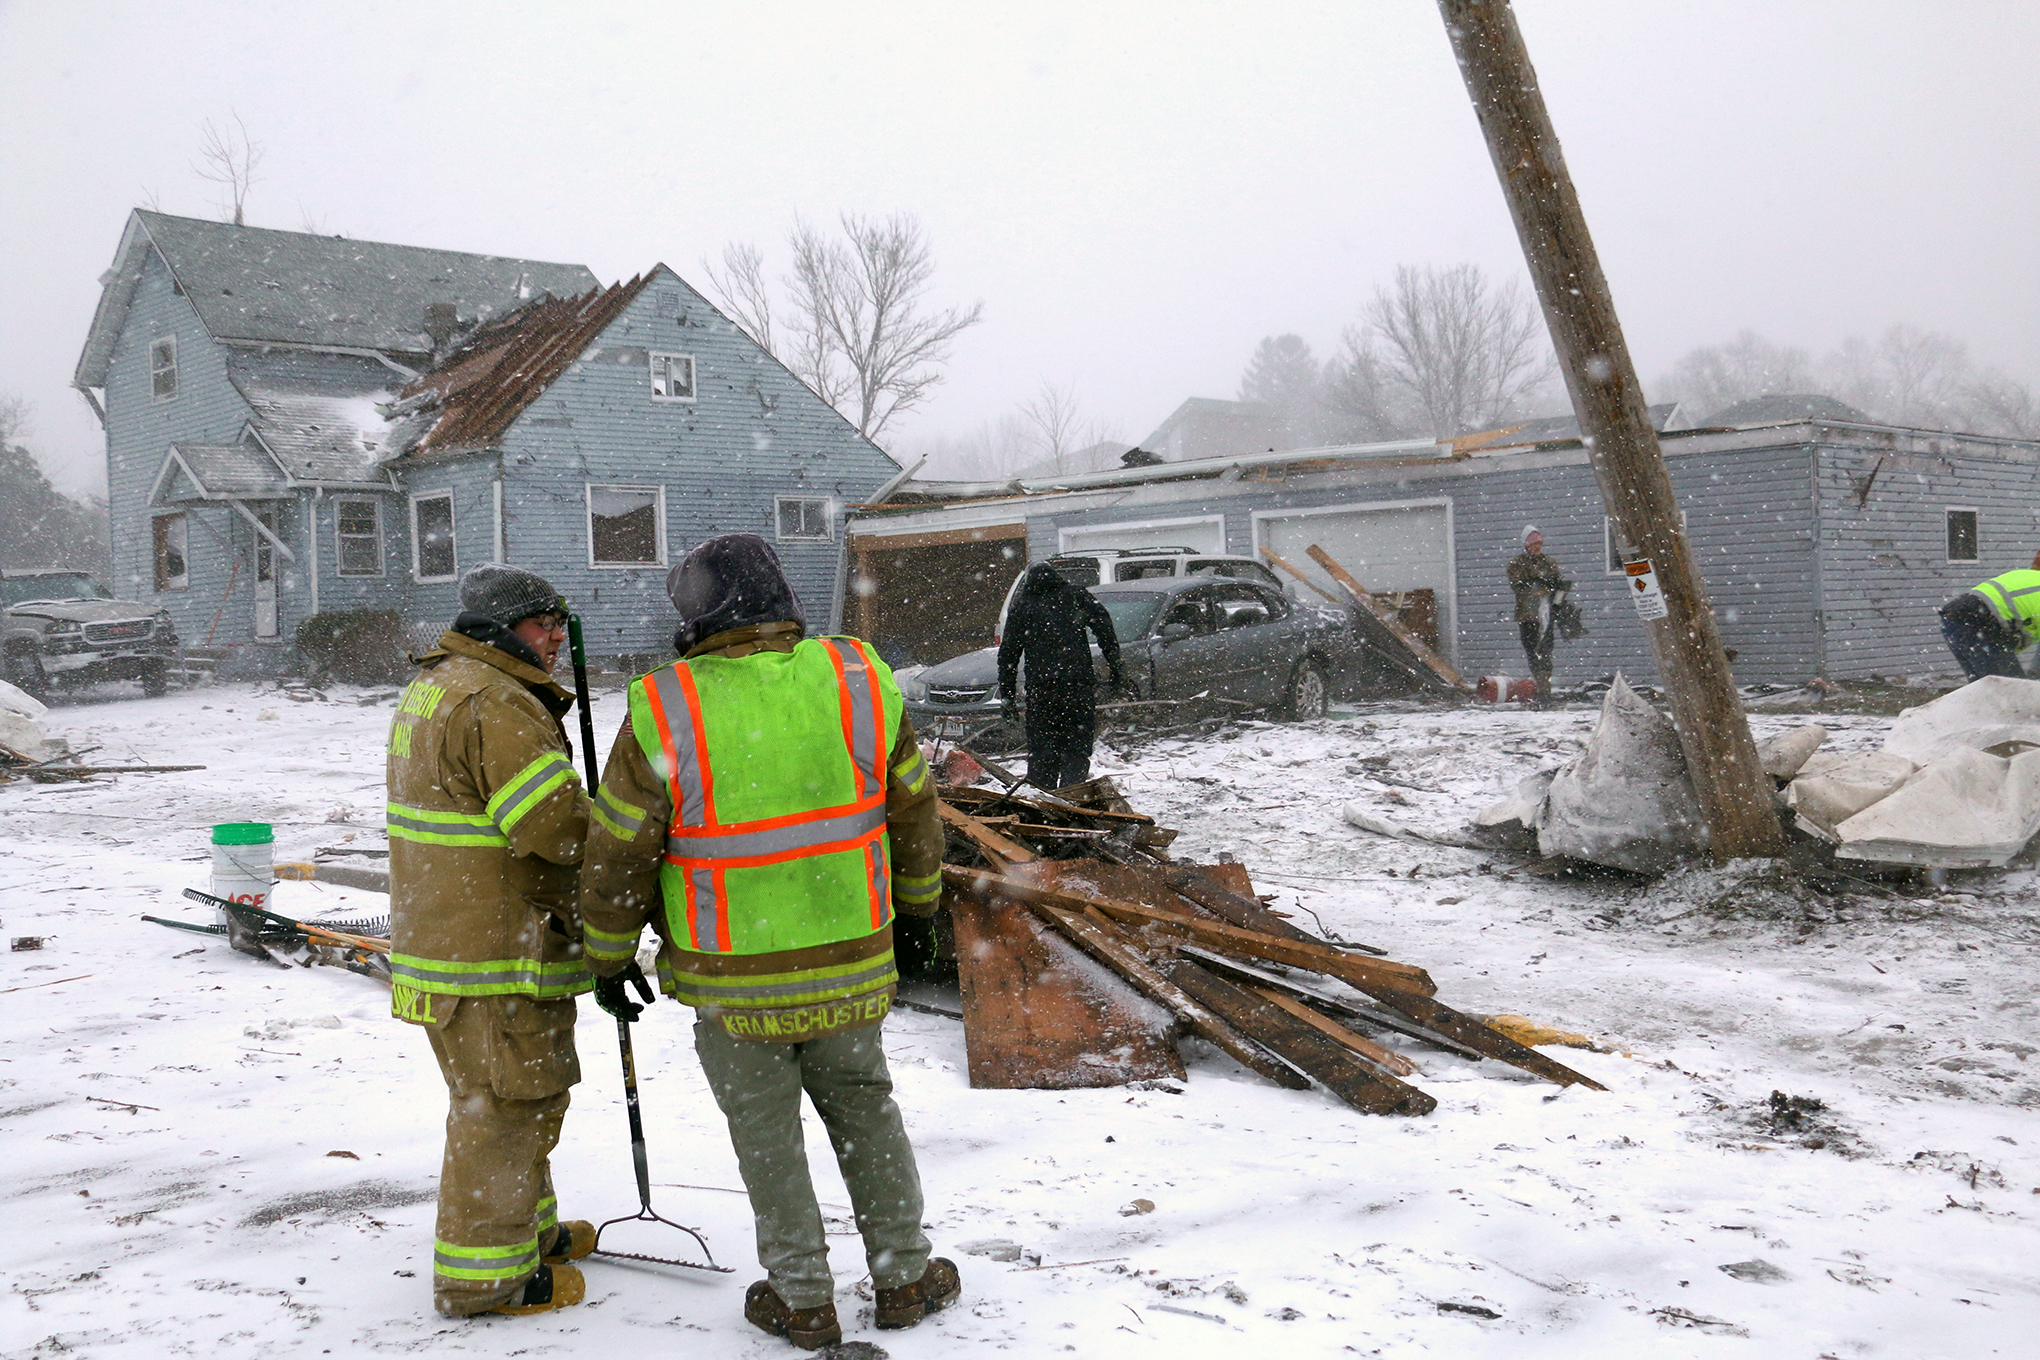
(61, 625)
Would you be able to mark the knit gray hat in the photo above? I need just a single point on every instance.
(509, 595)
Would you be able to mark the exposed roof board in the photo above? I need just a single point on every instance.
(291, 287)
(472, 397)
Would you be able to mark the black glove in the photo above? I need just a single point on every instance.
(611, 997)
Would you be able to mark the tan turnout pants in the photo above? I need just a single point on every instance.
(508, 1061)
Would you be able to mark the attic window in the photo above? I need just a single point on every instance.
(163, 368)
(804, 519)
(1962, 535)
(672, 377)
(669, 303)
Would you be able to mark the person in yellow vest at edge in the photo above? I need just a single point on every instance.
(1988, 625)
(487, 820)
(766, 809)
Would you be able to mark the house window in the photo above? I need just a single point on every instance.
(626, 526)
(804, 519)
(358, 527)
(173, 568)
(672, 377)
(163, 367)
(1962, 535)
(669, 303)
(432, 557)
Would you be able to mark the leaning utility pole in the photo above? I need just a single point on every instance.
(1735, 795)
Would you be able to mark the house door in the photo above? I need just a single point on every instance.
(265, 576)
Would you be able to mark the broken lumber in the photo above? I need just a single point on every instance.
(1035, 1015)
(1319, 958)
(1331, 1064)
(1373, 610)
(1332, 1029)
(1240, 971)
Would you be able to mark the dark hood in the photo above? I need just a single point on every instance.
(726, 583)
(1042, 579)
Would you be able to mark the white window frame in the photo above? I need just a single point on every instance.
(418, 545)
(588, 503)
(158, 526)
(654, 374)
(340, 540)
(171, 368)
(1611, 562)
(1976, 529)
(779, 535)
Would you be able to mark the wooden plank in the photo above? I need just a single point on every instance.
(1300, 574)
(1240, 971)
(1346, 1076)
(1199, 884)
(1361, 972)
(1338, 1033)
(1118, 953)
(1435, 1014)
(1387, 619)
(995, 847)
(1039, 1015)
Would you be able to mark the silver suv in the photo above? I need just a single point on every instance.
(61, 624)
(1095, 566)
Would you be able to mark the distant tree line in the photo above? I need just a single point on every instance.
(1435, 353)
(1907, 376)
(39, 525)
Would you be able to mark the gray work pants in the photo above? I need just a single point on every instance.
(758, 1084)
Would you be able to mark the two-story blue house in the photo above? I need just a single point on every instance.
(301, 424)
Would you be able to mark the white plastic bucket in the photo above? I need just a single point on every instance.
(243, 855)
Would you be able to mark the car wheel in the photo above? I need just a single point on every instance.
(1309, 695)
(25, 671)
(156, 679)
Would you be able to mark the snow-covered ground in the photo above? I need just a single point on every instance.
(211, 1156)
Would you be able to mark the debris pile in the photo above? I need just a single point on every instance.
(1082, 949)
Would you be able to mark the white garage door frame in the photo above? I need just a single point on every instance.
(1448, 621)
(1091, 533)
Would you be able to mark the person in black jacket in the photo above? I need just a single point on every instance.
(1047, 626)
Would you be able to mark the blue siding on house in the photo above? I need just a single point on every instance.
(1883, 556)
(140, 430)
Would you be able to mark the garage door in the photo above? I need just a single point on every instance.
(1386, 548)
(1205, 533)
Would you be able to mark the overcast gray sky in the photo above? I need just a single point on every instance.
(1137, 191)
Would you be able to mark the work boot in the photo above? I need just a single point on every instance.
(553, 1287)
(808, 1328)
(906, 1304)
(576, 1239)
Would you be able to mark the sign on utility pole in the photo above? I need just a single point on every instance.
(1735, 794)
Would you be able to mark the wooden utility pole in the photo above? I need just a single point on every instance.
(1735, 794)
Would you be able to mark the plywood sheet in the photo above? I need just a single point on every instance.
(1039, 1013)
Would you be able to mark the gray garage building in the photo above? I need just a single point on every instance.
(1826, 545)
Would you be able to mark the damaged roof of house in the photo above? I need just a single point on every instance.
(292, 287)
(475, 393)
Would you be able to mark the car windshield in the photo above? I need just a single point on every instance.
(1130, 614)
(58, 585)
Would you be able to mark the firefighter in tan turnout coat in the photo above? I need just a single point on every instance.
(766, 808)
(486, 823)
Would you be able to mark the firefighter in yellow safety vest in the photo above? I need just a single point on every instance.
(766, 810)
(487, 820)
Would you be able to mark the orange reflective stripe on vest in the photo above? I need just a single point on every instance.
(703, 848)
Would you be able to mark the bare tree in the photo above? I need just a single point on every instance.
(858, 329)
(1455, 353)
(741, 286)
(1355, 396)
(1714, 377)
(1051, 416)
(2001, 405)
(228, 158)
